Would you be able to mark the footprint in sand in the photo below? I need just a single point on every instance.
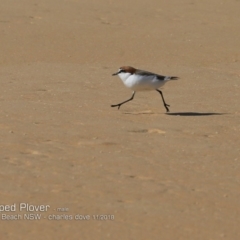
(153, 130)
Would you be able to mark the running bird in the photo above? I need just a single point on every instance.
(139, 80)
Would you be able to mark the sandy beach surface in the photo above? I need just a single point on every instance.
(72, 167)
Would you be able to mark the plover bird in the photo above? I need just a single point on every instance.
(139, 80)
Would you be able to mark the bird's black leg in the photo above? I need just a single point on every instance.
(119, 104)
(164, 103)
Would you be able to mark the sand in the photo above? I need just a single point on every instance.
(95, 172)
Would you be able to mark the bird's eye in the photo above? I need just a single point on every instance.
(122, 71)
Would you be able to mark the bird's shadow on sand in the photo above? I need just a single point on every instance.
(183, 114)
(192, 114)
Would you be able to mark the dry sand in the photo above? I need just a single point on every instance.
(162, 176)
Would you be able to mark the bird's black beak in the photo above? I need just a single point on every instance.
(114, 74)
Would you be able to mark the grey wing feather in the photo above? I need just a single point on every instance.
(144, 73)
(159, 77)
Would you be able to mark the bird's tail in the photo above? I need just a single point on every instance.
(173, 78)
(167, 78)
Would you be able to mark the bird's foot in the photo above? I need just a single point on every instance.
(166, 106)
(116, 105)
